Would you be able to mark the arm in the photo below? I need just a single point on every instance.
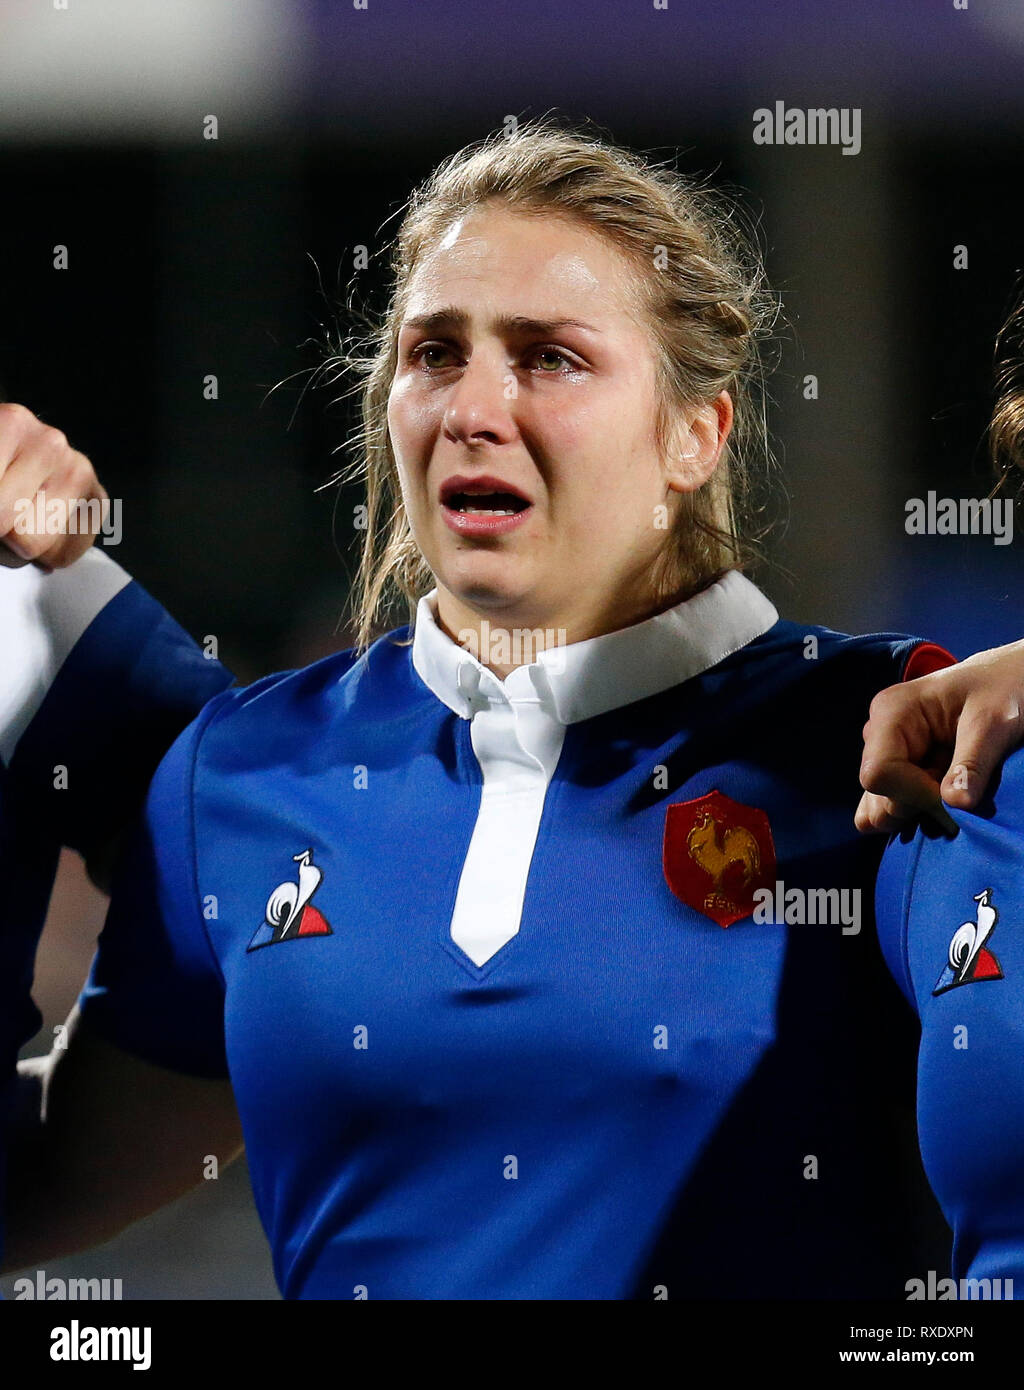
(103, 1140)
(940, 738)
(134, 1101)
(95, 675)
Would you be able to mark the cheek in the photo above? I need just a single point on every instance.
(613, 420)
(608, 450)
(586, 437)
(609, 482)
(410, 421)
(403, 447)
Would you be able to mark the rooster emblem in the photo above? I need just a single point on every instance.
(716, 851)
(717, 854)
(969, 960)
(289, 913)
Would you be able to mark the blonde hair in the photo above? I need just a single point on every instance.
(1006, 430)
(703, 289)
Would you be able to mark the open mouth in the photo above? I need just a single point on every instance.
(483, 507)
(486, 503)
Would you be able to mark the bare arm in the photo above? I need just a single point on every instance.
(104, 1139)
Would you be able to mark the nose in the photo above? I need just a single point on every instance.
(479, 406)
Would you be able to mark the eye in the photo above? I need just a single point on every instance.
(430, 353)
(552, 359)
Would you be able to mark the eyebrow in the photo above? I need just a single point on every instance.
(450, 317)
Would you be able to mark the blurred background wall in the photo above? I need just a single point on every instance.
(190, 257)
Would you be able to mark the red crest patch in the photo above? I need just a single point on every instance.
(717, 853)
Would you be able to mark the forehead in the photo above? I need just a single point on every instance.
(538, 265)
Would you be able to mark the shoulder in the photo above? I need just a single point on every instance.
(805, 686)
(815, 655)
(348, 693)
(888, 649)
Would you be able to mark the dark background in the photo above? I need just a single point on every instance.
(190, 256)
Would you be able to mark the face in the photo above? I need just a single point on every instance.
(522, 418)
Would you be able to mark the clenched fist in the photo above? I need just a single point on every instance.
(51, 502)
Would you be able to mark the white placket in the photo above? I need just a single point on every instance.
(517, 740)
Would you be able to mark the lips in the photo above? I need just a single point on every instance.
(482, 505)
(493, 494)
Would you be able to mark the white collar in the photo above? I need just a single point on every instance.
(588, 678)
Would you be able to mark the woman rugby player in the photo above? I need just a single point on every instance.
(471, 931)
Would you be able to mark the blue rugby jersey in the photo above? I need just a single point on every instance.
(96, 682)
(951, 925)
(568, 1080)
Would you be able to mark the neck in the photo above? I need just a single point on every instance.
(504, 638)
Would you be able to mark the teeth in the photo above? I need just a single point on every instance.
(486, 511)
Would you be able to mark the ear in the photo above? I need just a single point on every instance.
(697, 444)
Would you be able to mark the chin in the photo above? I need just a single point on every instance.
(486, 597)
(493, 584)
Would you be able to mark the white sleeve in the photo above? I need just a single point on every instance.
(42, 616)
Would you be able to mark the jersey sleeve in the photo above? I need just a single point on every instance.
(155, 988)
(922, 658)
(42, 618)
(97, 682)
